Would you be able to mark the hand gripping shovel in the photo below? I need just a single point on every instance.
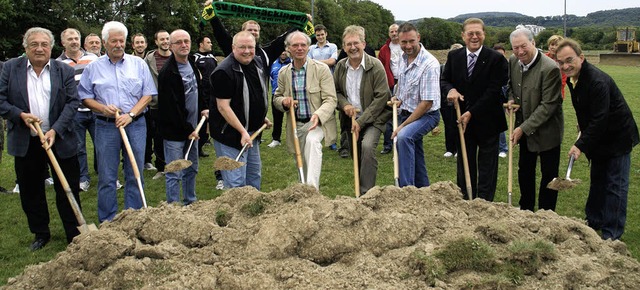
(564, 183)
(356, 172)
(83, 227)
(465, 161)
(133, 162)
(226, 163)
(396, 169)
(180, 164)
(511, 111)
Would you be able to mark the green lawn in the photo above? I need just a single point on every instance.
(279, 171)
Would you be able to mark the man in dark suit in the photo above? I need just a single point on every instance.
(474, 75)
(36, 88)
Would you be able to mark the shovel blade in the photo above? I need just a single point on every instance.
(83, 229)
(560, 184)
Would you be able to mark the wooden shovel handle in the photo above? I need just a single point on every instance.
(465, 160)
(294, 130)
(356, 172)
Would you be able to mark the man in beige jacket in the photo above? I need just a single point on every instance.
(311, 84)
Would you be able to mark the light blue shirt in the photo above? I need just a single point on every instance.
(419, 81)
(121, 84)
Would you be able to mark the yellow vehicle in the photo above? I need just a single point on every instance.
(626, 41)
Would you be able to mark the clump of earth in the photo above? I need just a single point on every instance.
(296, 238)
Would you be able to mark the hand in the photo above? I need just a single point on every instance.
(194, 136)
(314, 122)
(355, 128)
(29, 119)
(205, 113)
(287, 101)
(510, 106)
(208, 12)
(464, 120)
(246, 139)
(49, 139)
(123, 120)
(349, 110)
(397, 131)
(575, 151)
(516, 135)
(454, 95)
(396, 101)
(268, 122)
(109, 111)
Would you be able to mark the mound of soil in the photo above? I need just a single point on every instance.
(390, 238)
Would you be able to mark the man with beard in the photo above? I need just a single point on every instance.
(139, 45)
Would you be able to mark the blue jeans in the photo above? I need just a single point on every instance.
(413, 169)
(502, 146)
(606, 207)
(174, 150)
(248, 174)
(83, 122)
(109, 144)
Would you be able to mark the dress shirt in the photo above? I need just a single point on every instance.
(354, 79)
(299, 82)
(39, 90)
(419, 81)
(396, 56)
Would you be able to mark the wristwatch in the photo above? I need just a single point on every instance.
(132, 115)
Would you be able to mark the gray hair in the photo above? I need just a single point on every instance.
(521, 31)
(35, 30)
(113, 26)
(354, 30)
(70, 29)
(287, 41)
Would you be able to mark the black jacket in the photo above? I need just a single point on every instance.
(172, 122)
(605, 120)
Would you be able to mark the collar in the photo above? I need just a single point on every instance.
(46, 66)
(361, 62)
(526, 67)
(304, 66)
(477, 52)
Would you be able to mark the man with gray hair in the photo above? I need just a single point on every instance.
(36, 88)
(93, 44)
(118, 83)
(315, 119)
(535, 85)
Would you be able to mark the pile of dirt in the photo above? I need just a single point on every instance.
(390, 238)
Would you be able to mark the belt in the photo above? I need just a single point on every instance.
(113, 120)
(405, 113)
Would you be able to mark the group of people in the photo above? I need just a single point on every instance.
(167, 91)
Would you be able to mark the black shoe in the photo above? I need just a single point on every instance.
(203, 154)
(344, 153)
(38, 244)
(385, 151)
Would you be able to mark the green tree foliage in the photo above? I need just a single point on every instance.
(437, 33)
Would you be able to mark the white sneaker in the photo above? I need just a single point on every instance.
(16, 189)
(220, 185)
(455, 155)
(502, 154)
(84, 186)
(448, 154)
(158, 175)
(274, 144)
(118, 184)
(149, 166)
(48, 181)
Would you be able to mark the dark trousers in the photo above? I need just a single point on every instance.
(606, 207)
(158, 149)
(549, 163)
(387, 143)
(451, 135)
(278, 116)
(483, 166)
(345, 130)
(32, 190)
(148, 149)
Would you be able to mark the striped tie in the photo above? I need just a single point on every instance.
(472, 63)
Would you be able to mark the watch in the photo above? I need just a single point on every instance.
(132, 115)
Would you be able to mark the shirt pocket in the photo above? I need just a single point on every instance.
(133, 86)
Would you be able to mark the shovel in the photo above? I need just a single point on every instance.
(83, 227)
(134, 164)
(296, 142)
(356, 172)
(465, 161)
(396, 170)
(559, 184)
(511, 124)
(180, 164)
(226, 163)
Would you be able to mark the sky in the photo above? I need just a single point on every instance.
(414, 9)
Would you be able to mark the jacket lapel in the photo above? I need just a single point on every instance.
(54, 75)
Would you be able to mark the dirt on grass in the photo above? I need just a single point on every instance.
(296, 238)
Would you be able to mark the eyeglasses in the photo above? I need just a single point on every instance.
(180, 42)
(34, 45)
(569, 60)
(472, 33)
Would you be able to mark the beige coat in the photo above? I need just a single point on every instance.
(321, 92)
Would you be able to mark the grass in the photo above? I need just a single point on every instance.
(279, 171)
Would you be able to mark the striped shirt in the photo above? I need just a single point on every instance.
(299, 82)
(419, 81)
(78, 68)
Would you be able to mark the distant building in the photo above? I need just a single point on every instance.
(534, 28)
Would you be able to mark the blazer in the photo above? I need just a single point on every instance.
(374, 94)
(538, 92)
(604, 117)
(482, 91)
(321, 92)
(14, 100)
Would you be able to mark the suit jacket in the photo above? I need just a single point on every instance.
(14, 99)
(605, 120)
(321, 92)
(482, 91)
(537, 91)
(374, 94)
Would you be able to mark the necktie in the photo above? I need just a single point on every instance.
(472, 63)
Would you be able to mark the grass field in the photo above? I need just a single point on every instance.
(279, 171)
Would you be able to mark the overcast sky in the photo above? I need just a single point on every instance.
(413, 9)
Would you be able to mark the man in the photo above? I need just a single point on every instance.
(390, 55)
(84, 120)
(178, 103)
(419, 96)
(608, 134)
(240, 88)
(310, 83)
(93, 44)
(323, 50)
(206, 63)
(36, 88)
(2, 189)
(474, 76)
(502, 142)
(156, 60)
(360, 86)
(535, 86)
(283, 60)
(117, 83)
(139, 45)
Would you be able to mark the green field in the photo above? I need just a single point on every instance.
(279, 171)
